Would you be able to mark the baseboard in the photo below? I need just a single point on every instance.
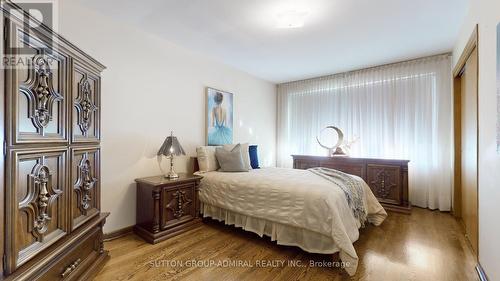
(481, 273)
(118, 233)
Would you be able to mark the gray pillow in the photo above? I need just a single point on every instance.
(230, 161)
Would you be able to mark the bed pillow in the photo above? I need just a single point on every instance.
(207, 161)
(230, 161)
(254, 158)
(244, 153)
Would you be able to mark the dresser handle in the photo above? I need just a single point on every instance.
(70, 268)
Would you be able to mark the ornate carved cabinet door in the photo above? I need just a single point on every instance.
(384, 181)
(35, 205)
(85, 200)
(36, 90)
(178, 205)
(85, 104)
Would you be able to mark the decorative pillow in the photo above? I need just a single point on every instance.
(244, 153)
(206, 159)
(254, 158)
(230, 161)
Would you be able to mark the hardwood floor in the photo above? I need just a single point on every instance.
(427, 245)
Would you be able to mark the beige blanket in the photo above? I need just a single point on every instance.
(296, 198)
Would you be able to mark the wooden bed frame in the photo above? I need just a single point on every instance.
(195, 165)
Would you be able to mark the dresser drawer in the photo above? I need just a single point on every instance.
(352, 169)
(304, 165)
(178, 205)
(78, 258)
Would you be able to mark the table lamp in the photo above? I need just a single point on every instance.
(169, 148)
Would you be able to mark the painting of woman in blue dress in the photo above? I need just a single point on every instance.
(220, 117)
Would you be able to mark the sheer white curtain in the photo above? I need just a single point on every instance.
(398, 111)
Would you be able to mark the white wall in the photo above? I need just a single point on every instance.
(487, 14)
(150, 87)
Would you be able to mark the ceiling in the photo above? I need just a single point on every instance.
(337, 36)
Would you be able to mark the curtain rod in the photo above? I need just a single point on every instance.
(367, 68)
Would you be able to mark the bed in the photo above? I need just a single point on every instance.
(293, 207)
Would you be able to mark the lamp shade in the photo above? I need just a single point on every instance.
(171, 146)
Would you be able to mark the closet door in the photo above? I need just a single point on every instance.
(85, 180)
(469, 136)
(35, 202)
(36, 89)
(86, 98)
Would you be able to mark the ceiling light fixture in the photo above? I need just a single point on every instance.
(291, 19)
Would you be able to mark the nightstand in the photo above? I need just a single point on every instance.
(166, 207)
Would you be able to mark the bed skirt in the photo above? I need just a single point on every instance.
(283, 234)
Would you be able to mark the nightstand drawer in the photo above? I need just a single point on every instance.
(178, 205)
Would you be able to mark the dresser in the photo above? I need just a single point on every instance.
(388, 179)
(50, 219)
(166, 207)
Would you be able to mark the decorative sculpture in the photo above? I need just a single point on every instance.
(341, 148)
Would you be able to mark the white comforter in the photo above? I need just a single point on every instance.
(293, 197)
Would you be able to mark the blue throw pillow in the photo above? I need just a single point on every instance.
(254, 158)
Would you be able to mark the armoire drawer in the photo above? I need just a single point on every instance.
(73, 264)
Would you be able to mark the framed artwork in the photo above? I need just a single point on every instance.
(219, 127)
(498, 88)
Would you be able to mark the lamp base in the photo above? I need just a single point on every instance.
(171, 175)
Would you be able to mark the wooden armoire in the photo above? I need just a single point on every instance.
(50, 219)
